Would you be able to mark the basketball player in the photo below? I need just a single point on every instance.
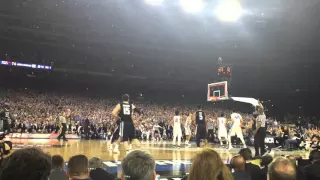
(177, 132)
(124, 111)
(222, 130)
(63, 124)
(201, 130)
(236, 129)
(115, 139)
(260, 132)
(5, 118)
(187, 129)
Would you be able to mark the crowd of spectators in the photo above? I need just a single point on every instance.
(34, 164)
(37, 112)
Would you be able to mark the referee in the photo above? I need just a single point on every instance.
(63, 124)
(260, 133)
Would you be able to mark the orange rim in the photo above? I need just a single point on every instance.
(214, 98)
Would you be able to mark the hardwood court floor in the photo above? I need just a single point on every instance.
(100, 148)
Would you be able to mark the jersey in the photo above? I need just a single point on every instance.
(262, 120)
(5, 115)
(188, 121)
(222, 122)
(125, 112)
(4, 120)
(176, 123)
(62, 119)
(236, 117)
(200, 118)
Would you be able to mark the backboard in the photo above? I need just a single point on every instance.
(218, 91)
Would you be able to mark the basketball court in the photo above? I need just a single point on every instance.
(169, 160)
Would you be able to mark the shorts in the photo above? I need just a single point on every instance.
(222, 132)
(201, 131)
(236, 131)
(115, 135)
(177, 132)
(187, 131)
(127, 131)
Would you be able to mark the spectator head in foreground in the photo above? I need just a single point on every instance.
(314, 156)
(78, 167)
(238, 163)
(95, 162)
(96, 170)
(57, 171)
(246, 153)
(292, 159)
(138, 165)
(57, 162)
(266, 160)
(282, 169)
(208, 165)
(27, 164)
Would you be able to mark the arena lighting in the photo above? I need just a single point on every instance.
(229, 10)
(154, 2)
(192, 6)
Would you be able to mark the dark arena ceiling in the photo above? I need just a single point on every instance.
(274, 47)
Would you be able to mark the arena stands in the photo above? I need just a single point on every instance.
(37, 112)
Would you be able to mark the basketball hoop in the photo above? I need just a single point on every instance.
(218, 91)
(214, 98)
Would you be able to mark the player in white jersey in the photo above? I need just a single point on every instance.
(188, 129)
(236, 129)
(222, 130)
(177, 133)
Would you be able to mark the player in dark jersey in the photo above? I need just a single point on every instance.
(201, 130)
(124, 111)
(5, 117)
(116, 136)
